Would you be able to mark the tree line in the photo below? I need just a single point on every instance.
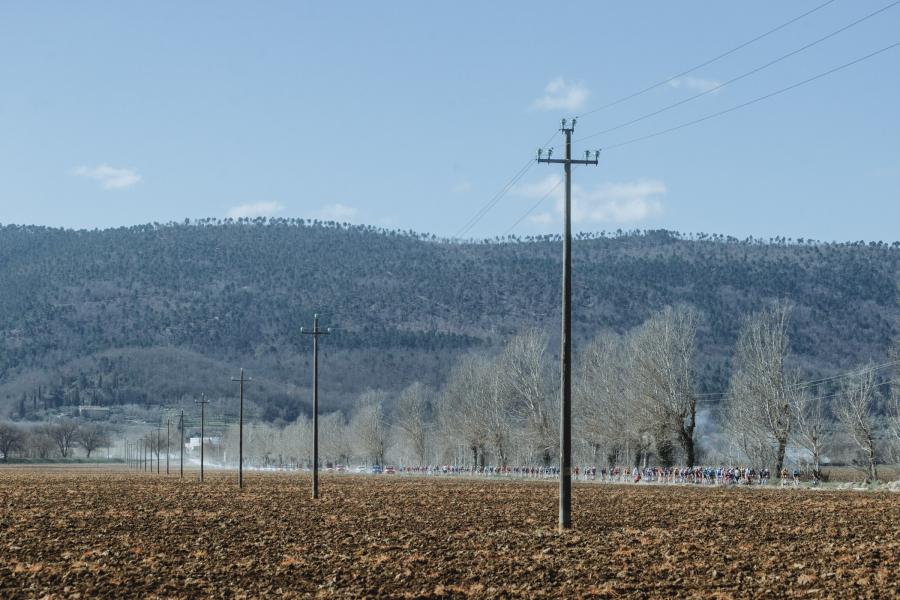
(636, 402)
(67, 297)
(52, 440)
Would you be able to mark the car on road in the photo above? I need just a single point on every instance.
(389, 470)
(376, 469)
(360, 469)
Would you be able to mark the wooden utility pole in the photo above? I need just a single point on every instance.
(202, 402)
(158, 447)
(168, 433)
(315, 333)
(181, 459)
(565, 421)
(242, 381)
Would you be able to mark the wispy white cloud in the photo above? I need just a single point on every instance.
(539, 189)
(110, 178)
(337, 212)
(560, 95)
(618, 203)
(695, 83)
(622, 203)
(257, 209)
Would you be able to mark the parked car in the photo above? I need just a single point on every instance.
(376, 469)
(360, 469)
(390, 470)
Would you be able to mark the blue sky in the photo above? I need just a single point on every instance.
(413, 115)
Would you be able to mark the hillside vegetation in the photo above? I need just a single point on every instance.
(144, 315)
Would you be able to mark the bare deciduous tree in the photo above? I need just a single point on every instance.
(413, 414)
(894, 421)
(93, 436)
(370, 427)
(855, 409)
(607, 418)
(40, 443)
(293, 444)
(12, 439)
(664, 350)
(811, 426)
(460, 412)
(759, 398)
(527, 381)
(64, 434)
(334, 438)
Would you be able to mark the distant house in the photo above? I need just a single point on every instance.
(194, 442)
(93, 412)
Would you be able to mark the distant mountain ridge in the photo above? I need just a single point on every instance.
(404, 305)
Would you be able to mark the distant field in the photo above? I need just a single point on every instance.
(843, 473)
(113, 534)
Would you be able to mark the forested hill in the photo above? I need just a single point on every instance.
(159, 309)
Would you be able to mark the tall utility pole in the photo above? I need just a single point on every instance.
(565, 421)
(168, 437)
(315, 333)
(158, 447)
(242, 381)
(202, 402)
(181, 459)
(168, 433)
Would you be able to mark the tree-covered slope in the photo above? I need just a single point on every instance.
(403, 305)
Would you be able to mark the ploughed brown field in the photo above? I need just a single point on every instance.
(114, 534)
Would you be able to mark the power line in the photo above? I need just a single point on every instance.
(838, 394)
(492, 202)
(708, 62)
(534, 207)
(743, 75)
(810, 383)
(753, 101)
(718, 114)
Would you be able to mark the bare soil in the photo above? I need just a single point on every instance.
(115, 534)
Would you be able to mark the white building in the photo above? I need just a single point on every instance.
(210, 441)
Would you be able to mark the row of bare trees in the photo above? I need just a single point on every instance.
(51, 440)
(768, 407)
(636, 402)
(636, 394)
